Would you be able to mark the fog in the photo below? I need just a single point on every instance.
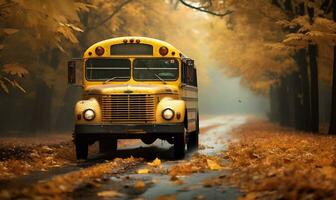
(50, 101)
(225, 95)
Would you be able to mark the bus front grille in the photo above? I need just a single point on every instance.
(128, 109)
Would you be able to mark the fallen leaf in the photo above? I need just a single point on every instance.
(46, 149)
(109, 194)
(199, 197)
(328, 171)
(155, 163)
(139, 185)
(167, 197)
(178, 182)
(143, 171)
(213, 165)
(10, 31)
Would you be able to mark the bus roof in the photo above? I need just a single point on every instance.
(133, 41)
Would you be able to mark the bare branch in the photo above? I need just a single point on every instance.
(116, 11)
(202, 9)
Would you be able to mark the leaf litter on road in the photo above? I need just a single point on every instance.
(59, 186)
(270, 162)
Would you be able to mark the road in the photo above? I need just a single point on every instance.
(126, 182)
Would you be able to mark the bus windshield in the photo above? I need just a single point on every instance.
(99, 69)
(152, 69)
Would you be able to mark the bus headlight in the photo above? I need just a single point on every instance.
(168, 114)
(89, 114)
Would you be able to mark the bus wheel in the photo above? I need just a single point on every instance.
(192, 143)
(108, 145)
(179, 145)
(82, 147)
(148, 140)
(193, 137)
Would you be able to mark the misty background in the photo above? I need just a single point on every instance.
(232, 60)
(225, 95)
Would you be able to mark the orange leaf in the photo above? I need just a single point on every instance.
(15, 69)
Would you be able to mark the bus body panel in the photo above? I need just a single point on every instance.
(169, 94)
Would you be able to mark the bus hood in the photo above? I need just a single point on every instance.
(131, 89)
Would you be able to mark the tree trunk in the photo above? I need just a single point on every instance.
(65, 118)
(314, 94)
(283, 103)
(274, 104)
(41, 120)
(291, 93)
(332, 126)
(304, 95)
(296, 106)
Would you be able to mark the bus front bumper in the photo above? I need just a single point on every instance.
(129, 131)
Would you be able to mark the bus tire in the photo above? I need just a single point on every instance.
(148, 140)
(193, 139)
(82, 148)
(179, 145)
(192, 143)
(108, 145)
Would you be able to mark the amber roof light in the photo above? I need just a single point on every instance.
(99, 50)
(163, 51)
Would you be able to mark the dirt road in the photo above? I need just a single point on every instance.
(130, 175)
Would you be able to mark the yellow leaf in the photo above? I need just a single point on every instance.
(10, 31)
(19, 86)
(15, 69)
(71, 26)
(59, 46)
(4, 87)
(167, 197)
(328, 171)
(155, 163)
(9, 81)
(109, 194)
(143, 171)
(213, 165)
(67, 33)
(139, 185)
(83, 6)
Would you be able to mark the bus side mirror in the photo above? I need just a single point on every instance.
(72, 72)
(75, 72)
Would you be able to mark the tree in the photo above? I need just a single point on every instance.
(332, 126)
(44, 42)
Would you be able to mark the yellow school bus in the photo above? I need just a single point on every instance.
(135, 88)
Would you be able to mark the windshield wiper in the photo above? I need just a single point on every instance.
(157, 76)
(116, 77)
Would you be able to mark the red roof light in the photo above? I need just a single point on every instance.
(99, 50)
(163, 51)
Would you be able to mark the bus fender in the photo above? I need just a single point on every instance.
(82, 106)
(178, 106)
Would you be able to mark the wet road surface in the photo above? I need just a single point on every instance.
(213, 139)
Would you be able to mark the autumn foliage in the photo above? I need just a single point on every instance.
(270, 162)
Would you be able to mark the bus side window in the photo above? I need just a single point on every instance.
(184, 73)
(189, 75)
(194, 77)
